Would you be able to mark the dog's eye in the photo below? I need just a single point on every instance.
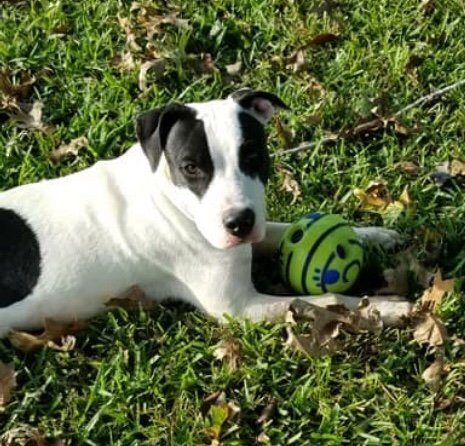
(191, 169)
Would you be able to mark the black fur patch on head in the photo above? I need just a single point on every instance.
(254, 160)
(19, 258)
(188, 155)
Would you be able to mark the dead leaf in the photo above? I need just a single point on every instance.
(323, 39)
(56, 335)
(19, 90)
(376, 195)
(132, 299)
(67, 150)
(234, 69)
(219, 412)
(457, 168)
(426, 6)
(228, 350)
(203, 63)
(158, 68)
(432, 375)
(290, 184)
(263, 438)
(25, 435)
(409, 167)
(123, 61)
(296, 61)
(428, 329)
(27, 116)
(284, 133)
(126, 26)
(432, 297)
(267, 412)
(7, 384)
(326, 324)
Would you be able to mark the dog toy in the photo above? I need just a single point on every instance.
(320, 253)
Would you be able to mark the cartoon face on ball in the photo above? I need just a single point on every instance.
(320, 253)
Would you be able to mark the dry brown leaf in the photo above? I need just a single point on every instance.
(27, 436)
(203, 63)
(123, 61)
(67, 150)
(158, 68)
(267, 412)
(457, 168)
(295, 61)
(7, 383)
(429, 329)
(426, 6)
(126, 26)
(234, 69)
(228, 350)
(27, 116)
(326, 324)
(409, 167)
(432, 297)
(219, 411)
(290, 184)
(432, 375)
(21, 89)
(284, 133)
(322, 39)
(263, 438)
(132, 299)
(56, 335)
(376, 195)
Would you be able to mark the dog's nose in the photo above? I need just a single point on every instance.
(239, 223)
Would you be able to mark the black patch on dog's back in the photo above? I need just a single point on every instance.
(19, 258)
(254, 160)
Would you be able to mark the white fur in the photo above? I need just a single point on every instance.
(117, 224)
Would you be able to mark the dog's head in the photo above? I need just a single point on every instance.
(214, 163)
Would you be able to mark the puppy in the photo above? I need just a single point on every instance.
(177, 215)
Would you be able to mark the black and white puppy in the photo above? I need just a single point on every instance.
(177, 215)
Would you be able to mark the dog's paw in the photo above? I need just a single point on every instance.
(386, 238)
(394, 311)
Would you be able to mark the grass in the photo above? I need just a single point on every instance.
(138, 379)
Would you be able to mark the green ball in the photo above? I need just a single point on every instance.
(320, 253)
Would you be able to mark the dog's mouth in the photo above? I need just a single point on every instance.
(254, 236)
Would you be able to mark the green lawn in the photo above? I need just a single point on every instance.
(139, 379)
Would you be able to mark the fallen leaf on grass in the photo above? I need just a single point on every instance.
(127, 27)
(378, 121)
(408, 267)
(70, 149)
(56, 335)
(7, 384)
(132, 299)
(295, 61)
(267, 412)
(158, 68)
(27, 116)
(326, 324)
(263, 438)
(123, 61)
(228, 350)
(20, 90)
(284, 133)
(409, 167)
(377, 198)
(290, 184)
(428, 328)
(202, 63)
(432, 375)
(234, 69)
(426, 6)
(27, 436)
(218, 412)
(323, 39)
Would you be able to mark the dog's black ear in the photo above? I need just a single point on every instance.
(260, 103)
(153, 127)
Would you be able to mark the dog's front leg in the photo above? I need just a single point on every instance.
(266, 307)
